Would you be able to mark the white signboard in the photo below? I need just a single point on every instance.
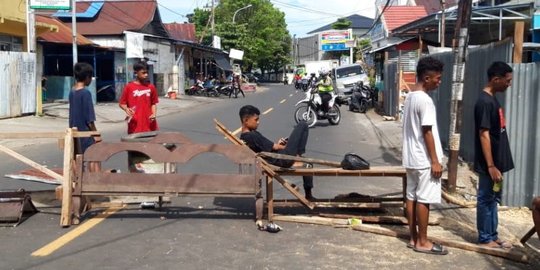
(236, 54)
(216, 42)
(50, 4)
(134, 45)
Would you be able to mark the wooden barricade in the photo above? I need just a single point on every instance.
(88, 180)
(272, 172)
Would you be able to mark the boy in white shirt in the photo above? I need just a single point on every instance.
(422, 153)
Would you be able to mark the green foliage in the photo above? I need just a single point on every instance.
(201, 18)
(260, 31)
(342, 23)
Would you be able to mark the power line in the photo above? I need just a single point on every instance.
(170, 10)
(304, 8)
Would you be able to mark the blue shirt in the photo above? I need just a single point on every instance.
(81, 114)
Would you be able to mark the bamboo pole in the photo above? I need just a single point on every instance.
(510, 254)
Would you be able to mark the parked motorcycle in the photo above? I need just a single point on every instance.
(362, 98)
(310, 108)
(195, 89)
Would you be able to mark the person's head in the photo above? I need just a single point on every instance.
(324, 73)
(429, 72)
(249, 115)
(141, 71)
(83, 73)
(499, 76)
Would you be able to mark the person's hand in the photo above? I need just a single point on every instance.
(282, 141)
(436, 170)
(152, 117)
(97, 139)
(495, 174)
(129, 112)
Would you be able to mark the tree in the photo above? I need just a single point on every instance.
(260, 31)
(342, 23)
(201, 19)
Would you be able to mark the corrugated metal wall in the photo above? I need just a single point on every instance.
(522, 116)
(479, 59)
(17, 83)
(390, 100)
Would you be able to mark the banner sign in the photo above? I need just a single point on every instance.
(50, 4)
(134, 45)
(335, 40)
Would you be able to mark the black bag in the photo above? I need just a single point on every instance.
(352, 161)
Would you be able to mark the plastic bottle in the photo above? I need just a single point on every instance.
(497, 186)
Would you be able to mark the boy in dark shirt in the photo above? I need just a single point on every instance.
(295, 145)
(81, 108)
(492, 154)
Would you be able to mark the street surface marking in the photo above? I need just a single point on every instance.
(267, 111)
(70, 236)
(281, 102)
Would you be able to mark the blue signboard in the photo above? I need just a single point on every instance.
(334, 47)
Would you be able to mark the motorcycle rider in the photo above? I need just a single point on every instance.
(325, 87)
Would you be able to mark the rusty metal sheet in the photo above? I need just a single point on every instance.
(13, 206)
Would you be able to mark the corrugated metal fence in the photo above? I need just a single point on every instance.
(523, 122)
(390, 92)
(17, 83)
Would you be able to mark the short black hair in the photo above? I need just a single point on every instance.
(498, 69)
(82, 71)
(140, 66)
(247, 111)
(426, 64)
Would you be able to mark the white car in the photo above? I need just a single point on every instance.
(346, 76)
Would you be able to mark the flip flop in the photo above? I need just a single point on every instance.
(436, 249)
(409, 245)
(504, 244)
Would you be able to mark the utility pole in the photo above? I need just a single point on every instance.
(74, 31)
(213, 22)
(443, 22)
(460, 58)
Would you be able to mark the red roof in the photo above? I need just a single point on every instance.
(396, 16)
(182, 31)
(115, 17)
(63, 35)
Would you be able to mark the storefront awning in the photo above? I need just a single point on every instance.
(221, 62)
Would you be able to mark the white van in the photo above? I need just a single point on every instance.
(346, 76)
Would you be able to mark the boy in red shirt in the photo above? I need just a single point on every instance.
(139, 100)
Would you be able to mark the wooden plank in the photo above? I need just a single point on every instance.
(368, 205)
(67, 184)
(397, 220)
(302, 159)
(32, 135)
(510, 254)
(172, 183)
(287, 186)
(31, 163)
(528, 235)
(454, 200)
(312, 220)
(519, 28)
(270, 197)
(373, 172)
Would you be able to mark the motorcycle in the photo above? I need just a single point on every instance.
(362, 98)
(195, 89)
(297, 80)
(310, 109)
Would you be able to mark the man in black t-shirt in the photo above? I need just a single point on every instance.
(295, 145)
(492, 154)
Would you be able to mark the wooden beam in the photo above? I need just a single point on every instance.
(67, 184)
(397, 220)
(510, 254)
(312, 220)
(31, 163)
(32, 135)
(454, 200)
(302, 159)
(519, 28)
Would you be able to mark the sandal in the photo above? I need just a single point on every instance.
(503, 243)
(436, 249)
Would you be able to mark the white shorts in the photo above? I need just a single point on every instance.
(422, 187)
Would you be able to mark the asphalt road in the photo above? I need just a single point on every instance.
(219, 232)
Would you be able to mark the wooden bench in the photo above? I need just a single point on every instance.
(246, 182)
(272, 172)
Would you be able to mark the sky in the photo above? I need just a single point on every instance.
(301, 16)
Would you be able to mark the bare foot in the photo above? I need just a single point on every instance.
(491, 244)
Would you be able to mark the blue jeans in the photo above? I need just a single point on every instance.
(487, 218)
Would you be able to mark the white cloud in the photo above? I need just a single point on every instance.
(299, 21)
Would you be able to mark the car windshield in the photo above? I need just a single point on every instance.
(349, 71)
